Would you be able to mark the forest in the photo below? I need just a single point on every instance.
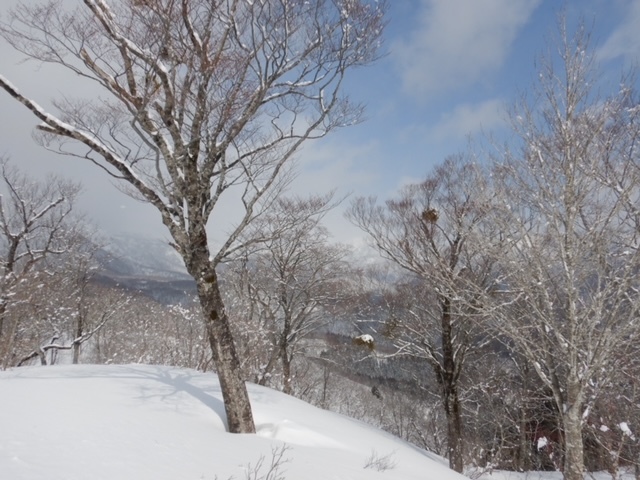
(493, 320)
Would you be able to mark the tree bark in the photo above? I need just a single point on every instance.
(264, 376)
(449, 383)
(3, 347)
(573, 444)
(234, 390)
(79, 330)
(9, 334)
(286, 373)
(524, 443)
(454, 428)
(3, 309)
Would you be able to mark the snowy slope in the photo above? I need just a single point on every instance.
(140, 256)
(159, 423)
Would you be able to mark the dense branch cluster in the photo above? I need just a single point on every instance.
(204, 96)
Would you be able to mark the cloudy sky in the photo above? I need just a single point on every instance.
(451, 69)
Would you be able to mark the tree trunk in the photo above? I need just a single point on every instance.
(234, 390)
(573, 444)
(265, 375)
(8, 337)
(2, 312)
(524, 442)
(454, 429)
(326, 376)
(449, 384)
(3, 347)
(286, 373)
(78, 333)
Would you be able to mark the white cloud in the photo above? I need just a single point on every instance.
(625, 40)
(470, 119)
(325, 165)
(458, 42)
(349, 168)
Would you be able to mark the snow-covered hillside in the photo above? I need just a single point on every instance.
(159, 423)
(151, 257)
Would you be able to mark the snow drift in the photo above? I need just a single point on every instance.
(140, 422)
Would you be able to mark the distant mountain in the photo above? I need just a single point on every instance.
(148, 266)
(139, 256)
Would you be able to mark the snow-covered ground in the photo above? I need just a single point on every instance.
(550, 476)
(140, 422)
(137, 422)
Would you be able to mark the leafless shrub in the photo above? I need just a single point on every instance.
(380, 463)
(255, 472)
(271, 470)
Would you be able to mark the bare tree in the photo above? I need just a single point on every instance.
(611, 427)
(291, 282)
(65, 316)
(63, 303)
(431, 231)
(36, 223)
(81, 274)
(141, 330)
(568, 209)
(206, 99)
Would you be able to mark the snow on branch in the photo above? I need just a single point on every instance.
(54, 125)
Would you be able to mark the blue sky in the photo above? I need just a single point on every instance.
(451, 68)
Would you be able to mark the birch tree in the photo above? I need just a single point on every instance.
(569, 209)
(201, 100)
